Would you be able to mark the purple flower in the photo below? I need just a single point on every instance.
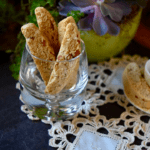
(100, 14)
(65, 7)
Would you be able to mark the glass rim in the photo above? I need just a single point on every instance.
(82, 51)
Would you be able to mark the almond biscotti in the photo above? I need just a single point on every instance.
(62, 27)
(39, 47)
(48, 27)
(61, 31)
(133, 96)
(70, 48)
(135, 86)
(137, 81)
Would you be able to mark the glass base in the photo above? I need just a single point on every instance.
(47, 110)
(66, 109)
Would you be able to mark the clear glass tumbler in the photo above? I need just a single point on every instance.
(62, 105)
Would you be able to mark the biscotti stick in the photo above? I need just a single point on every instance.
(39, 47)
(48, 27)
(73, 77)
(62, 27)
(61, 31)
(135, 86)
(70, 48)
(138, 82)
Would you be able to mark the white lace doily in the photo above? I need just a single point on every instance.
(130, 125)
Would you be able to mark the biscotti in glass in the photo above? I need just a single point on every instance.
(72, 91)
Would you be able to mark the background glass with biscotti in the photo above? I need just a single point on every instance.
(62, 105)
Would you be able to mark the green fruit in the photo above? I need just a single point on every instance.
(100, 48)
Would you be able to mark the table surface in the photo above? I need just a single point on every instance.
(16, 130)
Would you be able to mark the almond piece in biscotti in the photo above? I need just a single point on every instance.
(70, 48)
(39, 47)
(61, 31)
(48, 27)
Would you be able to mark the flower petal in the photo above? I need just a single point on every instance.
(126, 9)
(83, 3)
(115, 13)
(113, 29)
(86, 23)
(88, 9)
(68, 7)
(115, 10)
(99, 25)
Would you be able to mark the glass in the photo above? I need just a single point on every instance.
(64, 104)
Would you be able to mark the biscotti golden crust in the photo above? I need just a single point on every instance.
(48, 27)
(135, 86)
(61, 31)
(62, 27)
(73, 76)
(138, 82)
(70, 48)
(134, 74)
(39, 47)
(133, 95)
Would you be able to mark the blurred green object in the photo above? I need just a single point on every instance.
(9, 15)
(40, 112)
(77, 15)
(17, 53)
(100, 48)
